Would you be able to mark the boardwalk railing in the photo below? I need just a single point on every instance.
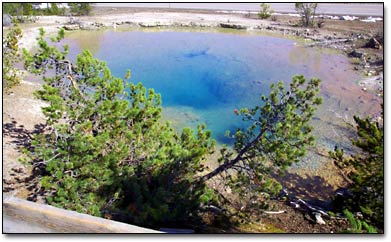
(21, 216)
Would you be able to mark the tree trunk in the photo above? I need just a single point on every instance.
(228, 165)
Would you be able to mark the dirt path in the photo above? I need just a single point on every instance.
(22, 116)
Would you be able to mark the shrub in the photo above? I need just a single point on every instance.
(357, 226)
(307, 12)
(11, 56)
(80, 8)
(106, 151)
(366, 172)
(277, 136)
(265, 11)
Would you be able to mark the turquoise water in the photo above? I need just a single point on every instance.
(204, 76)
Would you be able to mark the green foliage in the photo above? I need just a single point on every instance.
(54, 10)
(366, 171)
(9, 8)
(23, 11)
(357, 226)
(12, 9)
(277, 137)
(307, 12)
(265, 11)
(106, 151)
(80, 8)
(11, 56)
(27, 8)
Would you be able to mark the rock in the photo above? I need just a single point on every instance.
(71, 27)
(319, 219)
(99, 25)
(371, 20)
(357, 54)
(18, 169)
(359, 215)
(73, 20)
(232, 26)
(7, 20)
(273, 28)
(348, 18)
(373, 43)
(87, 26)
(148, 25)
(328, 37)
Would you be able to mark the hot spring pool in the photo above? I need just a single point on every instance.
(204, 76)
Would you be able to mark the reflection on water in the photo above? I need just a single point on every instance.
(204, 76)
(301, 56)
(90, 40)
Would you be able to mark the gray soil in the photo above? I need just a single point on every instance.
(22, 117)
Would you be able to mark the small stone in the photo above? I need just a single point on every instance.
(319, 219)
(357, 54)
(18, 169)
(373, 43)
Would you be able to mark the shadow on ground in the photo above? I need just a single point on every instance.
(20, 138)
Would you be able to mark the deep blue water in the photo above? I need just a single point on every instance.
(203, 77)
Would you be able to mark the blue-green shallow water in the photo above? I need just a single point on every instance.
(204, 76)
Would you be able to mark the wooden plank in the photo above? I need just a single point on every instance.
(21, 216)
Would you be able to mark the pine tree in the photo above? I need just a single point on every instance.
(277, 137)
(265, 11)
(366, 171)
(54, 10)
(80, 8)
(106, 151)
(11, 56)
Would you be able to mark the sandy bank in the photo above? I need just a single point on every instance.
(142, 19)
(285, 25)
